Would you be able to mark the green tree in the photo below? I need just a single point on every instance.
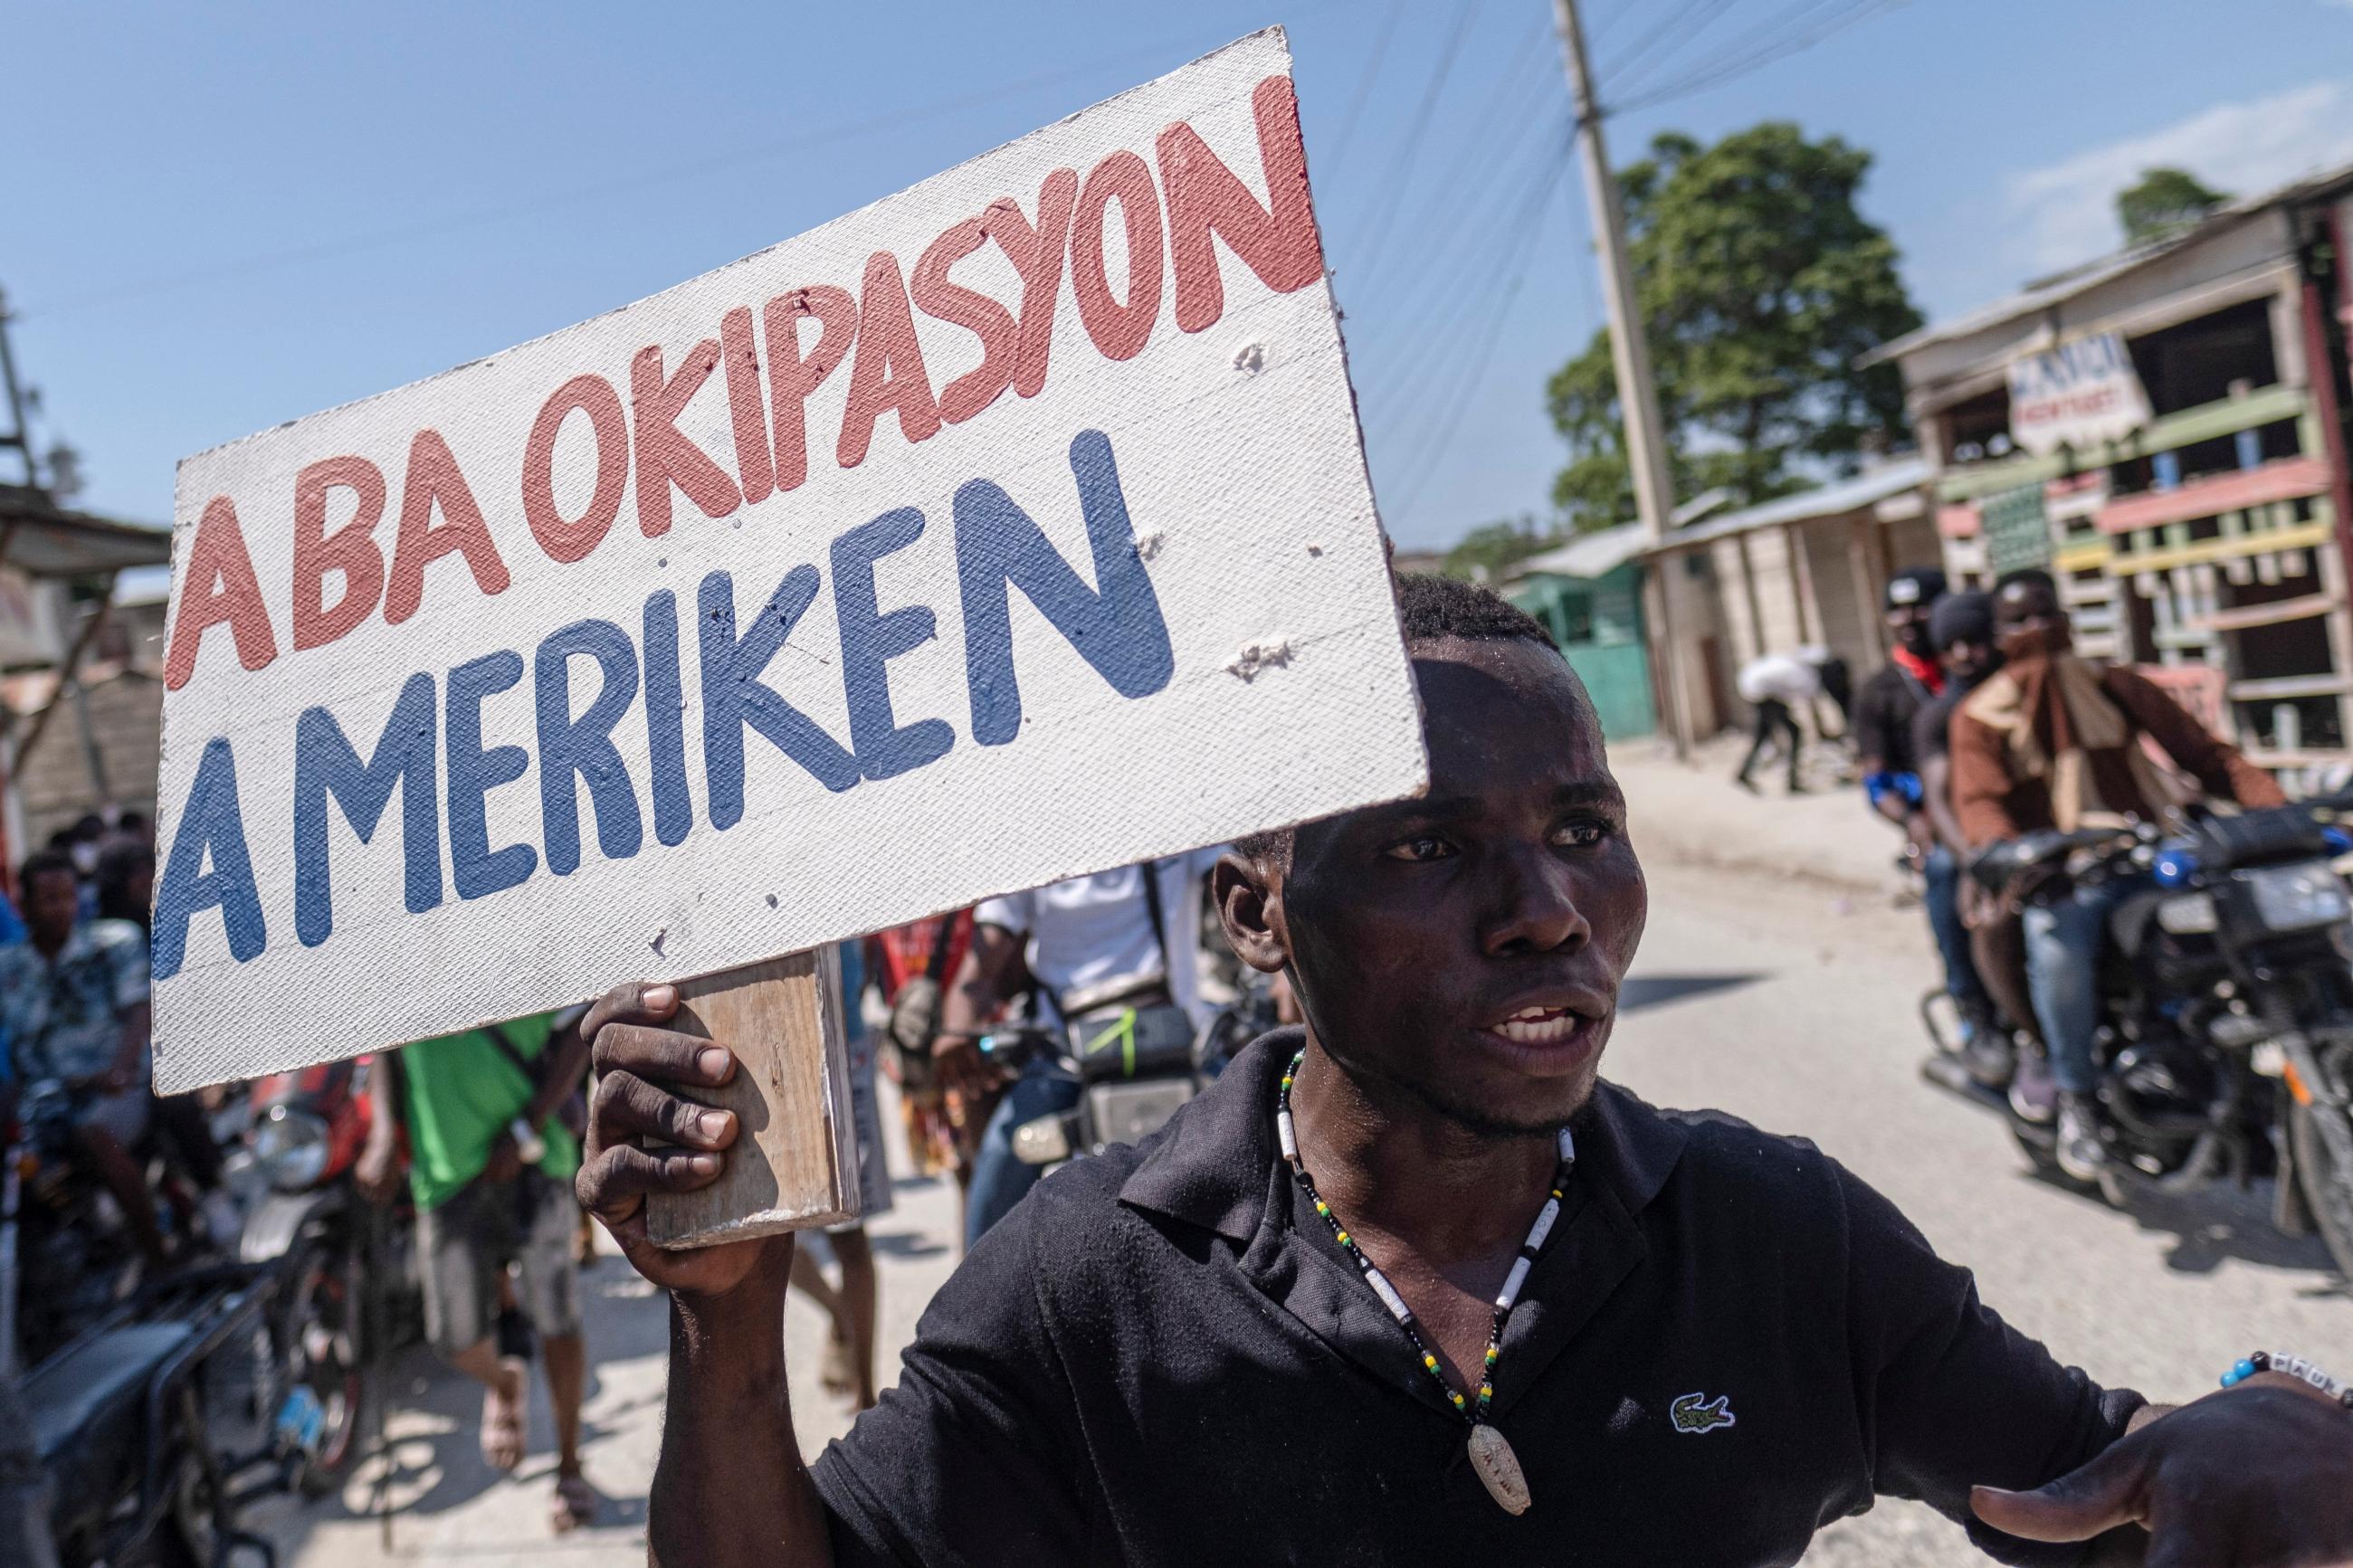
(1490, 550)
(1759, 284)
(2164, 202)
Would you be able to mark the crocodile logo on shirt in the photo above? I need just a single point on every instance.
(1698, 1413)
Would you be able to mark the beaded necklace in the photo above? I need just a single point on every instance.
(1491, 1455)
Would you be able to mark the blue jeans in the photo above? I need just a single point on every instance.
(999, 1179)
(1940, 875)
(2064, 945)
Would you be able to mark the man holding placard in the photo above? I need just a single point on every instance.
(1011, 530)
(1412, 1285)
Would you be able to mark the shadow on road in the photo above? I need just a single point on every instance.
(1657, 990)
(2221, 1223)
(432, 1461)
(2214, 1225)
(906, 1243)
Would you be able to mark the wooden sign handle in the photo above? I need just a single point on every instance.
(795, 1160)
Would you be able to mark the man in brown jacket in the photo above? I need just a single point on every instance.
(2055, 741)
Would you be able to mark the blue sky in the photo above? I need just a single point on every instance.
(221, 218)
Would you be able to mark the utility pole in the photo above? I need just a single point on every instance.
(19, 435)
(1638, 392)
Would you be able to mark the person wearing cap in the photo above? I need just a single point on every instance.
(1885, 708)
(1986, 948)
(1883, 713)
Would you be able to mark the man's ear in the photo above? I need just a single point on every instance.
(1249, 902)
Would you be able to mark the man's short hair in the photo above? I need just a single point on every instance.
(2030, 576)
(41, 863)
(1431, 608)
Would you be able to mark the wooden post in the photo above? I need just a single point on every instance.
(1801, 582)
(1749, 595)
(794, 1162)
(1667, 664)
(1864, 560)
(65, 671)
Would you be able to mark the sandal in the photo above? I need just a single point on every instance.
(575, 1504)
(503, 1418)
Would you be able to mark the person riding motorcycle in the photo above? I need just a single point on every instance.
(1887, 748)
(2053, 740)
(1122, 938)
(74, 1005)
(1960, 631)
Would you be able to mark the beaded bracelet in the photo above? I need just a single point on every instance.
(2295, 1366)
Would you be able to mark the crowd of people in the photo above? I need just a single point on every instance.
(74, 1016)
(1449, 966)
(479, 1134)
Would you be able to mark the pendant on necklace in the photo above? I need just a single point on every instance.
(1499, 1469)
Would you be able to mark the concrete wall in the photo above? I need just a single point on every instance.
(126, 719)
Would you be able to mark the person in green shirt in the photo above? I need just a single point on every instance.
(490, 1166)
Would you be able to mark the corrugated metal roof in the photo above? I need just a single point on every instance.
(2044, 292)
(1587, 555)
(1841, 495)
(1598, 553)
(45, 540)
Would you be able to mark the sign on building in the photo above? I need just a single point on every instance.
(1012, 528)
(2082, 394)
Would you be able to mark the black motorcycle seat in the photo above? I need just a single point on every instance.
(84, 1403)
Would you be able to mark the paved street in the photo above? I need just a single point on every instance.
(1788, 1003)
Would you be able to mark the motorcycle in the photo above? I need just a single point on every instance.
(116, 1420)
(342, 1266)
(66, 1229)
(1124, 1098)
(2225, 1049)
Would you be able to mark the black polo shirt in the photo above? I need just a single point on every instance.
(1152, 1361)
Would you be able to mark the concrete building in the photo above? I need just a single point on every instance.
(78, 733)
(2163, 431)
(1804, 569)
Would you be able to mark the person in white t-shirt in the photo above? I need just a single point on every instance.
(1777, 685)
(1087, 945)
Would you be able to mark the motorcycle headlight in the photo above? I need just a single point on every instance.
(2303, 897)
(2188, 914)
(290, 1148)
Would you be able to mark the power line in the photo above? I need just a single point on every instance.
(266, 261)
(1675, 29)
(1772, 30)
(1451, 270)
(1392, 191)
(1346, 136)
(1609, 24)
(1509, 103)
(1463, 275)
(1474, 368)
(1466, 389)
(1721, 70)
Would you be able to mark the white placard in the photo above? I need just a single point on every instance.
(2083, 393)
(1012, 527)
